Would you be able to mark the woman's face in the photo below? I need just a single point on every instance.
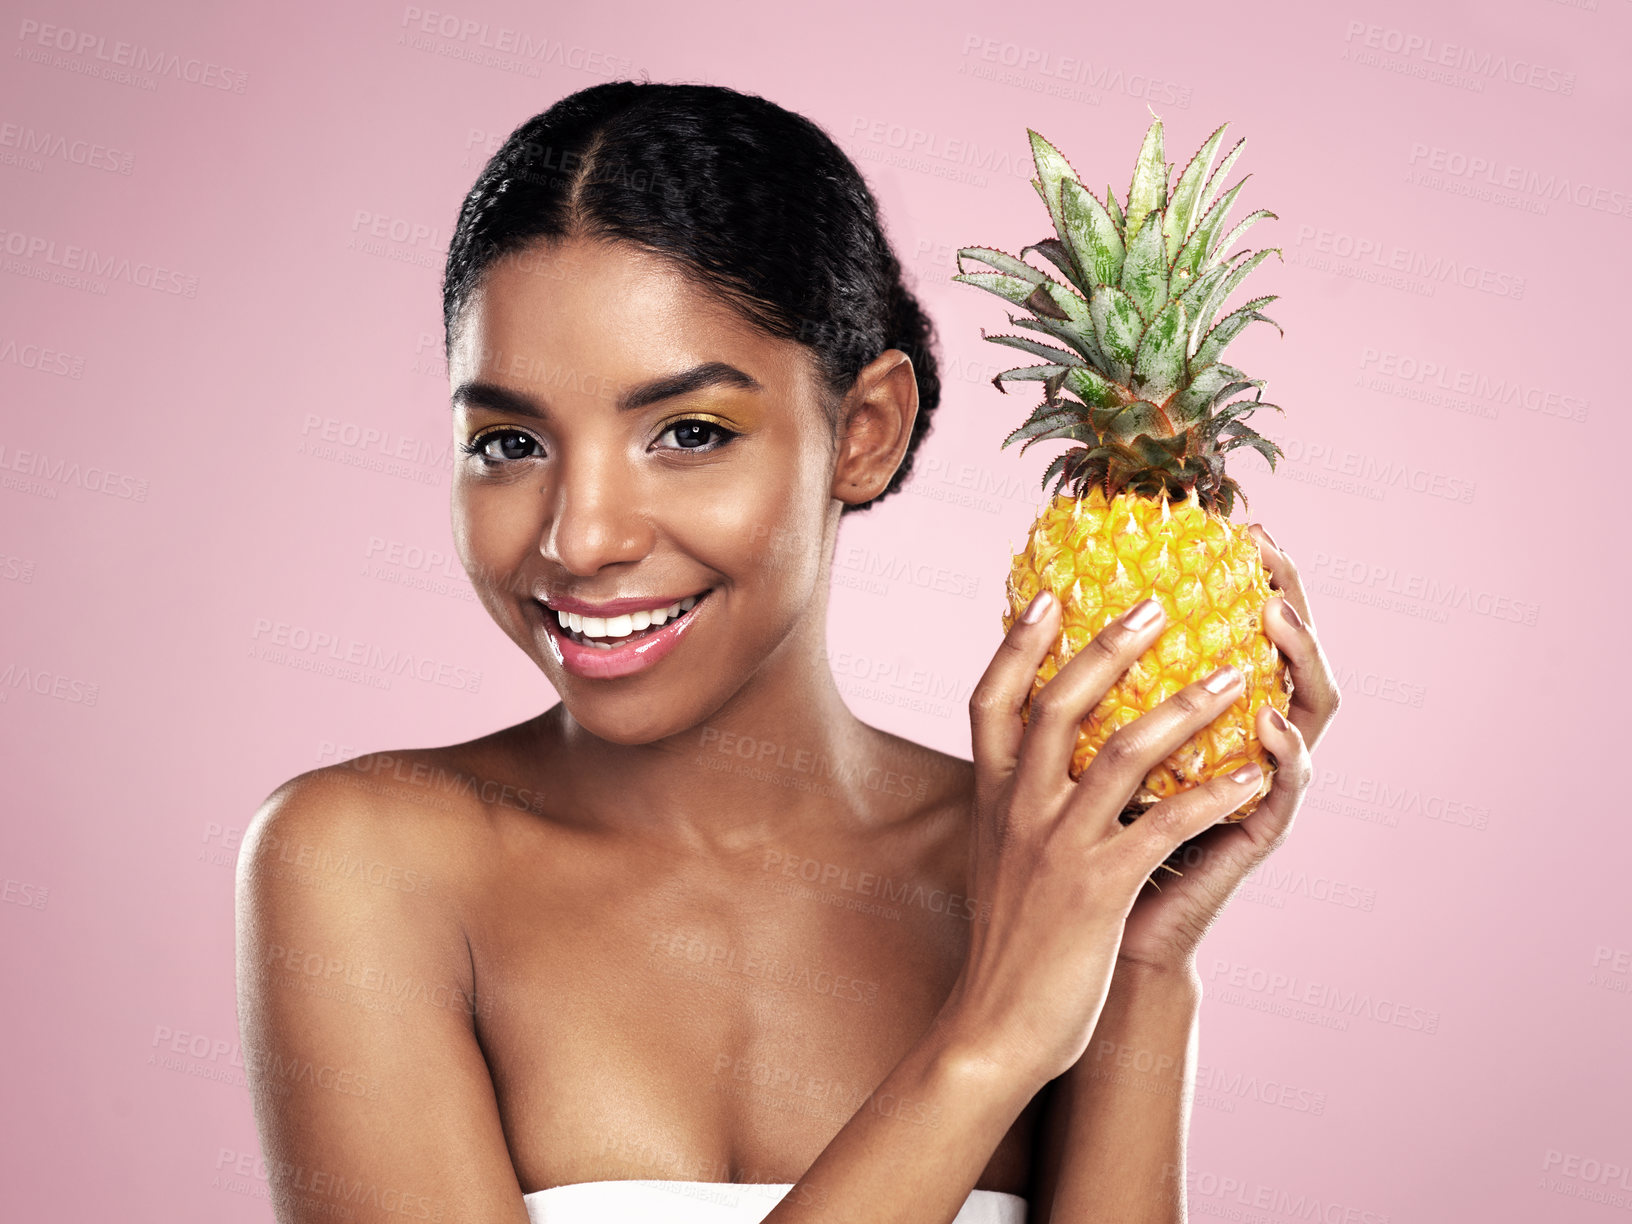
(632, 441)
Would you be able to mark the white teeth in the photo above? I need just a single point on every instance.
(585, 628)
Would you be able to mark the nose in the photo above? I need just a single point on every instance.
(596, 516)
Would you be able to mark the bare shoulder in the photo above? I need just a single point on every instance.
(410, 821)
(938, 779)
(358, 1001)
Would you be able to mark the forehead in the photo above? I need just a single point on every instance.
(605, 310)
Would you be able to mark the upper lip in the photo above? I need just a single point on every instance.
(614, 607)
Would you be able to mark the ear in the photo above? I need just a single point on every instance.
(875, 426)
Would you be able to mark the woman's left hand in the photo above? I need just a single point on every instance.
(1167, 922)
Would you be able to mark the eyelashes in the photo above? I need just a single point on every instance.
(478, 446)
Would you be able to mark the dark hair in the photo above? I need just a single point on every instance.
(751, 201)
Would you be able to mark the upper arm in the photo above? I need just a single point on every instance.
(355, 998)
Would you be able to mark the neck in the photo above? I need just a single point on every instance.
(782, 755)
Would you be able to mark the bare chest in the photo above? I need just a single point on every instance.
(648, 1017)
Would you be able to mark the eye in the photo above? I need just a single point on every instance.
(512, 444)
(692, 434)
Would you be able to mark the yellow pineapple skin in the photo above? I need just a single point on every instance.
(1102, 556)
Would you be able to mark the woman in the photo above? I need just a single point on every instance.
(572, 970)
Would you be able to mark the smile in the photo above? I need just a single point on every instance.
(612, 647)
(606, 633)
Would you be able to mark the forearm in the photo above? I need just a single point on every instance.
(915, 1149)
(1124, 1108)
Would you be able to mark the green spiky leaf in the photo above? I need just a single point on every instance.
(1092, 388)
(1215, 181)
(1058, 254)
(1225, 279)
(1202, 391)
(1117, 327)
(1148, 191)
(1181, 209)
(1051, 374)
(1009, 288)
(1159, 367)
(1127, 342)
(1052, 169)
(1138, 418)
(1229, 327)
(1095, 239)
(1067, 334)
(1036, 348)
(1197, 252)
(1144, 269)
(1002, 261)
(1221, 248)
(1070, 305)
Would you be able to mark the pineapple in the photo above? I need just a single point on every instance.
(1141, 508)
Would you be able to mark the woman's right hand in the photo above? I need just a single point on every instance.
(1053, 870)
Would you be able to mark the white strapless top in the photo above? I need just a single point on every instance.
(697, 1202)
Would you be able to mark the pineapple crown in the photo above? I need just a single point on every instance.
(1138, 384)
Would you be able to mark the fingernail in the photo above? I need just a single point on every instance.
(1250, 772)
(1267, 536)
(1220, 679)
(1035, 609)
(1142, 614)
(1291, 614)
(1275, 717)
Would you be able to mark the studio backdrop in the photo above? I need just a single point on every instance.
(226, 555)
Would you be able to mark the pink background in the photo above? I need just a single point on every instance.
(1456, 227)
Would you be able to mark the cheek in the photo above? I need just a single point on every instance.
(765, 529)
(495, 532)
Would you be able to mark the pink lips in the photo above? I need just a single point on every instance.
(635, 654)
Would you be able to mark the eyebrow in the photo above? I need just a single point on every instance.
(710, 374)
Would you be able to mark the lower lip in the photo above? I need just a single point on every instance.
(636, 654)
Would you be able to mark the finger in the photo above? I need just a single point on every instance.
(1164, 826)
(1059, 707)
(1267, 825)
(1315, 695)
(1283, 571)
(1133, 751)
(1219, 857)
(994, 706)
